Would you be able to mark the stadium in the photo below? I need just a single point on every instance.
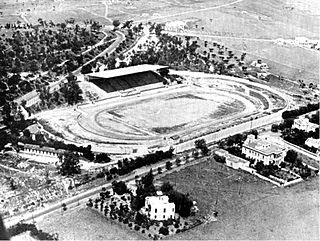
(144, 109)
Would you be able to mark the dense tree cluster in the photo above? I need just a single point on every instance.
(301, 111)
(44, 52)
(120, 187)
(69, 164)
(182, 202)
(34, 231)
(299, 137)
(183, 54)
(292, 161)
(202, 145)
(126, 166)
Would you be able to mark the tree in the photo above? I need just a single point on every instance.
(27, 133)
(202, 145)
(116, 23)
(158, 29)
(69, 164)
(164, 230)
(119, 187)
(34, 66)
(168, 165)
(166, 187)
(291, 156)
(102, 158)
(274, 128)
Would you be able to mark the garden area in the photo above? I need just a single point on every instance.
(124, 206)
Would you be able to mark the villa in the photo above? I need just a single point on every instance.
(311, 142)
(158, 207)
(304, 124)
(264, 150)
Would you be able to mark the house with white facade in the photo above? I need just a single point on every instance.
(176, 26)
(237, 163)
(158, 207)
(303, 123)
(40, 153)
(311, 142)
(263, 149)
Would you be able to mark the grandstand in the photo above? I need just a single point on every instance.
(126, 78)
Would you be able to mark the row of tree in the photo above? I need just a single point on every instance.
(300, 111)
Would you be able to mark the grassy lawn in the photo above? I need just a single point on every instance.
(261, 211)
(309, 161)
(86, 224)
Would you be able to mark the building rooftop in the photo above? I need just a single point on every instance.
(34, 128)
(235, 159)
(263, 146)
(126, 71)
(43, 148)
(157, 200)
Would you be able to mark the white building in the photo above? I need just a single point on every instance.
(176, 26)
(311, 142)
(158, 207)
(304, 124)
(264, 150)
(259, 64)
(237, 163)
(41, 154)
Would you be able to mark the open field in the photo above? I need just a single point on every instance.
(250, 19)
(288, 61)
(261, 211)
(170, 111)
(86, 224)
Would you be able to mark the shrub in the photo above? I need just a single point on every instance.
(164, 230)
(178, 231)
(137, 228)
(130, 225)
(143, 231)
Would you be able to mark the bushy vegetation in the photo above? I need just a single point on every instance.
(34, 231)
(50, 48)
(301, 111)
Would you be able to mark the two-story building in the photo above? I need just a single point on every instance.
(311, 142)
(158, 207)
(262, 149)
(303, 123)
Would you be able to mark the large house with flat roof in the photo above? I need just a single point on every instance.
(264, 150)
(303, 123)
(158, 207)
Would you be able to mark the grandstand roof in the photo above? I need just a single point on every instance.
(126, 71)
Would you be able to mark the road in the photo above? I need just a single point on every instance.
(80, 199)
(195, 34)
(188, 12)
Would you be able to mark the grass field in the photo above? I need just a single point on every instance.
(86, 224)
(175, 110)
(261, 211)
